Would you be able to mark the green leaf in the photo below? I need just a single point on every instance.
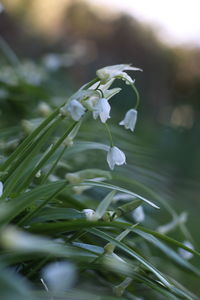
(119, 189)
(104, 204)
(168, 251)
(13, 207)
(132, 253)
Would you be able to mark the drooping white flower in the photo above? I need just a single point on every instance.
(102, 109)
(184, 253)
(59, 276)
(138, 214)
(1, 188)
(76, 110)
(89, 213)
(91, 102)
(130, 119)
(116, 71)
(115, 157)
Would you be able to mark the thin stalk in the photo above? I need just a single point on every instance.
(28, 140)
(110, 135)
(32, 213)
(16, 171)
(45, 158)
(137, 96)
(9, 53)
(54, 165)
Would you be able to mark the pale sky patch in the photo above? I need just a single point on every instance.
(176, 21)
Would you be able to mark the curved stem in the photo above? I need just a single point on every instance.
(137, 95)
(110, 135)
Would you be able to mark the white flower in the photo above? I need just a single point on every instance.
(138, 214)
(130, 119)
(184, 253)
(89, 213)
(76, 110)
(1, 188)
(91, 102)
(59, 276)
(115, 157)
(116, 71)
(102, 109)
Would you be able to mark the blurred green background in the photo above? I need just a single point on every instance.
(57, 45)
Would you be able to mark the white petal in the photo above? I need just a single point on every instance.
(76, 109)
(59, 276)
(102, 109)
(130, 119)
(1, 188)
(115, 157)
(107, 73)
(138, 214)
(89, 213)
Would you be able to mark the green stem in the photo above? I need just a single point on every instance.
(110, 135)
(137, 96)
(9, 53)
(100, 92)
(54, 165)
(28, 140)
(89, 84)
(32, 213)
(17, 169)
(45, 158)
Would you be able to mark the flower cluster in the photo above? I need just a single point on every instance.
(95, 99)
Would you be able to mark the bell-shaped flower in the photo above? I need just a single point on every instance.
(59, 276)
(102, 109)
(115, 157)
(89, 214)
(91, 102)
(130, 119)
(116, 71)
(76, 109)
(1, 188)
(138, 214)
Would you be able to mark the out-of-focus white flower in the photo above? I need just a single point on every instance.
(52, 61)
(184, 253)
(89, 213)
(130, 119)
(102, 109)
(116, 71)
(44, 109)
(138, 214)
(59, 276)
(1, 188)
(115, 157)
(75, 109)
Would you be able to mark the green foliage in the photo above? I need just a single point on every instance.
(43, 221)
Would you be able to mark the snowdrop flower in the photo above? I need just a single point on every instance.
(76, 110)
(1, 188)
(115, 157)
(91, 102)
(59, 276)
(130, 119)
(89, 213)
(102, 109)
(116, 71)
(138, 214)
(184, 253)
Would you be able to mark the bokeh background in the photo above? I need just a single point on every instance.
(61, 43)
